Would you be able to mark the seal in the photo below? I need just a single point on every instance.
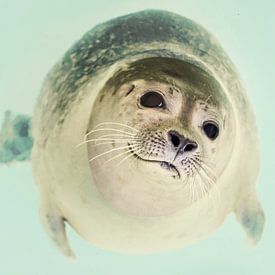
(144, 139)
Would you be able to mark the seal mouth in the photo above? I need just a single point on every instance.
(170, 167)
(163, 164)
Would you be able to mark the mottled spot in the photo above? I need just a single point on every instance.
(101, 97)
(130, 90)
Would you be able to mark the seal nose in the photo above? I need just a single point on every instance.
(179, 141)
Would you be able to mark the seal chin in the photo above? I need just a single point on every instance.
(170, 167)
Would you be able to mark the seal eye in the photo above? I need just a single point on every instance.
(211, 129)
(152, 100)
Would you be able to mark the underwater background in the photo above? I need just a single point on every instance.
(33, 36)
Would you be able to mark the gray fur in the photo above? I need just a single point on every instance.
(118, 39)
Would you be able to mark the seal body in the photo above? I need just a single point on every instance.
(130, 83)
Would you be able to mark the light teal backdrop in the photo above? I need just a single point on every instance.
(33, 36)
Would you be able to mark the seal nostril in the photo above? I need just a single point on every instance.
(178, 140)
(190, 147)
(174, 139)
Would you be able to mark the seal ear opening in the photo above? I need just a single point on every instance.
(54, 224)
(250, 215)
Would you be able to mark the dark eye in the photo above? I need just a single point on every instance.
(152, 100)
(211, 129)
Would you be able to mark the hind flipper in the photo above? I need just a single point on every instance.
(251, 216)
(15, 138)
(54, 224)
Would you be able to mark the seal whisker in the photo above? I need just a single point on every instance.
(211, 191)
(109, 129)
(206, 168)
(191, 193)
(215, 191)
(132, 153)
(115, 157)
(201, 184)
(109, 142)
(112, 150)
(206, 186)
(120, 154)
(114, 135)
(195, 184)
(210, 184)
(192, 185)
(116, 123)
(105, 139)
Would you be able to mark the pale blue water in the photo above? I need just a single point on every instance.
(34, 34)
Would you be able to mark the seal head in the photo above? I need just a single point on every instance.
(157, 135)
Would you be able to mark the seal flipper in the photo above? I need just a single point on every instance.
(16, 140)
(54, 224)
(251, 216)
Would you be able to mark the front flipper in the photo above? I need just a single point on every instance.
(251, 216)
(54, 223)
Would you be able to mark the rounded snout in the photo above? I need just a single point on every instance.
(179, 142)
